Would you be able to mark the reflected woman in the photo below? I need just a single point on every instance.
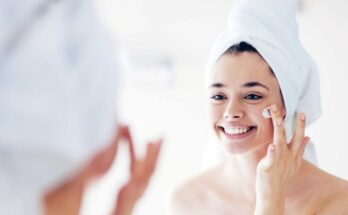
(263, 92)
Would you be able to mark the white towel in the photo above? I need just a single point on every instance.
(271, 27)
(57, 97)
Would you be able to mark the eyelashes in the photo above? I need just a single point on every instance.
(253, 96)
(250, 96)
(218, 97)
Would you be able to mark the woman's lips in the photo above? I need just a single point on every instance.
(237, 133)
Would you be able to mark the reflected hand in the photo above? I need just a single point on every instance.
(141, 171)
(66, 198)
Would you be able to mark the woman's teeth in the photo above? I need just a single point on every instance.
(235, 131)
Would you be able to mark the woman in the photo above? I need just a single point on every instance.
(58, 86)
(259, 69)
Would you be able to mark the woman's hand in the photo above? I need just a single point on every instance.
(279, 166)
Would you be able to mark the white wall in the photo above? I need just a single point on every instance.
(183, 32)
(324, 29)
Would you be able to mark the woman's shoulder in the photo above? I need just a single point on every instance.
(336, 201)
(197, 185)
(334, 195)
(193, 193)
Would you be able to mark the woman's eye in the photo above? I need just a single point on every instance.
(253, 97)
(217, 97)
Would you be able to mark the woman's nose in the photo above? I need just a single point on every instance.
(233, 110)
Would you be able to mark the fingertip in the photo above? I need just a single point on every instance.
(152, 147)
(274, 108)
(268, 161)
(156, 143)
(160, 142)
(275, 115)
(271, 151)
(122, 127)
(303, 116)
(306, 139)
(271, 148)
(122, 132)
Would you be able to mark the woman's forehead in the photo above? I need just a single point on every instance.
(240, 68)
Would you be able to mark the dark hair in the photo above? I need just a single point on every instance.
(243, 47)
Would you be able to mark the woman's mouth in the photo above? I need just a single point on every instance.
(237, 132)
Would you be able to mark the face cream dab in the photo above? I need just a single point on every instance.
(266, 113)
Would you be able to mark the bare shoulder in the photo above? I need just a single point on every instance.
(188, 197)
(335, 196)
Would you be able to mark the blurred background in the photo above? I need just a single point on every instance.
(164, 46)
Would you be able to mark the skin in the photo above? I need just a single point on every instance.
(66, 198)
(263, 174)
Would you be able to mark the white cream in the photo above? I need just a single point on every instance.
(266, 113)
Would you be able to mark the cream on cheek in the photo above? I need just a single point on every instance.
(264, 127)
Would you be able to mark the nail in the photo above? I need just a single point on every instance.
(274, 108)
(272, 148)
(307, 140)
(302, 116)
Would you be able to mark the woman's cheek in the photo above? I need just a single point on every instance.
(264, 125)
(214, 114)
(267, 130)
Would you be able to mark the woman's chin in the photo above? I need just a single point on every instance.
(247, 147)
(232, 148)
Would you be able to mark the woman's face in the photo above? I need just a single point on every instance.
(241, 87)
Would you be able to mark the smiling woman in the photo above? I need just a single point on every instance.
(238, 97)
(260, 64)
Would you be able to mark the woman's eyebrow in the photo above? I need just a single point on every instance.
(248, 85)
(255, 84)
(216, 85)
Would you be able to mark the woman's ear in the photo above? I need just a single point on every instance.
(283, 113)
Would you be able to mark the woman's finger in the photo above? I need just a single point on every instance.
(301, 150)
(297, 140)
(269, 160)
(131, 150)
(152, 154)
(279, 137)
(102, 160)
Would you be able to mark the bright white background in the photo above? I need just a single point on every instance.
(167, 44)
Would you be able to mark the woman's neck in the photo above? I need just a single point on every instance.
(240, 172)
